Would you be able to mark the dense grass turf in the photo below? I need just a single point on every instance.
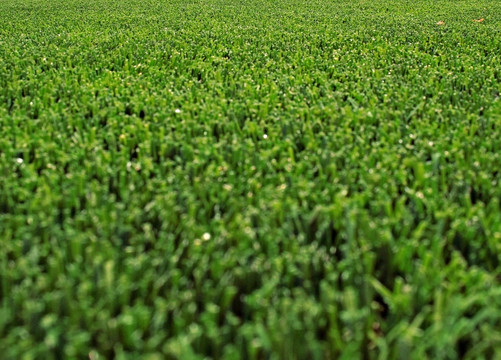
(250, 179)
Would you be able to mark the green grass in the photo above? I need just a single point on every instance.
(250, 179)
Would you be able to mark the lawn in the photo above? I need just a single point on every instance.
(227, 179)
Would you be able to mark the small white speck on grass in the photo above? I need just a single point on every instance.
(265, 136)
(282, 187)
(177, 111)
(206, 236)
(93, 355)
(19, 160)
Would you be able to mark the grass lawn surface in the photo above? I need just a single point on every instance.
(225, 179)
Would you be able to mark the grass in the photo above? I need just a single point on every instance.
(250, 179)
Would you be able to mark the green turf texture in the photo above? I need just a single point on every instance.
(250, 179)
